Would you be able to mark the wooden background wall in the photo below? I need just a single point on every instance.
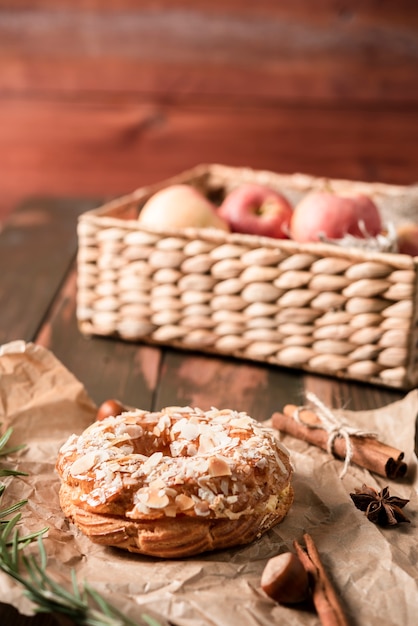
(98, 97)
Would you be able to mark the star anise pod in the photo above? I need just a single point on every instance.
(380, 507)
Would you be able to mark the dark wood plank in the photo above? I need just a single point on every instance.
(354, 396)
(205, 381)
(37, 247)
(107, 368)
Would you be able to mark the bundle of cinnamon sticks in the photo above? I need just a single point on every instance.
(326, 600)
(366, 451)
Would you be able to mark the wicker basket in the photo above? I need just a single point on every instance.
(318, 307)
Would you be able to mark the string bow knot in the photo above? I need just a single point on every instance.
(334, 427)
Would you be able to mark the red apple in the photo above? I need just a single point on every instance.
(180, 206)
(407, 238)
(326, 215)
(257, 210)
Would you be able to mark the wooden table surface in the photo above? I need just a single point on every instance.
(38, 248)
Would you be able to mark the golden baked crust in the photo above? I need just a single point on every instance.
(176, 482)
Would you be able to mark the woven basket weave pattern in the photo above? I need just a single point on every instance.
(317, 307)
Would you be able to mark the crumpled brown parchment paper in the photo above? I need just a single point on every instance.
(374, 569)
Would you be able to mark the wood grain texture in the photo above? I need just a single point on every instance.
(97, 98)
(37, 248)
(275, 51)
(206, 381)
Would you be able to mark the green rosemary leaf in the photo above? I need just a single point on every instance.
(76, 590)
(27, 539)
(9, 451)
(42, 553)
(4, 439)
(14, 553)
(11, 509)
(9, 526)
(107, 609)
(150, 621)
(9, 472)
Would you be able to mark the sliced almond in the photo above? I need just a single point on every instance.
(83, 464)
(157, 499)
(183, 502)
(218, 467)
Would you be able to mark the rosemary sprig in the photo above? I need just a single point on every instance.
(84, 606)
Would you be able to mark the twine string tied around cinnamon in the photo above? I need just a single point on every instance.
(334, 427)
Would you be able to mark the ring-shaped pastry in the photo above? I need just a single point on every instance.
(176, 482)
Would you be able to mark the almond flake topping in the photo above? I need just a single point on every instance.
(178, 460)
(219, 467)
(83, 464)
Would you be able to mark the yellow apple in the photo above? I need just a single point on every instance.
(180, 206)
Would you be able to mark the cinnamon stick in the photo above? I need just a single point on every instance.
(367, 452)
(325, 599)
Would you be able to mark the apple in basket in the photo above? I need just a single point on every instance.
(257, 210)
(180, 206)
(407, 238)
(322, 215)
